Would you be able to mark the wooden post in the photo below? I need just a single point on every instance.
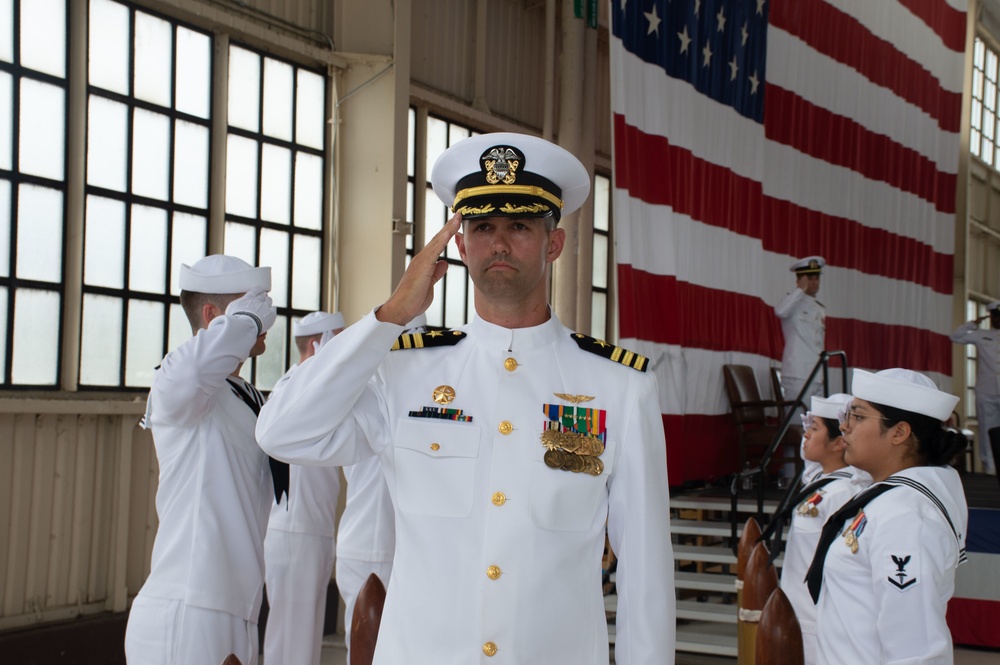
(760, 580)
(366, 620)
(779, 636)
(749, 537)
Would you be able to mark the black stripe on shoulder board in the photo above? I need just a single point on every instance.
(428, 340)
(611, 352)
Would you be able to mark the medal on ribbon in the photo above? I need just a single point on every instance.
(808, 507)
(853, 532)
(574, 438)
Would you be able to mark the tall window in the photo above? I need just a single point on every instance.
(274, 188)
(147, 166)
(601, 281)
(33, 68)
(983, 137)
(974, 310)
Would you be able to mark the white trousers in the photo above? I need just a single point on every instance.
(351, 575)
(168, 632)
(297, 570)
(988, 415)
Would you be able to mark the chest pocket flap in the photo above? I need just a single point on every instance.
(435, 464)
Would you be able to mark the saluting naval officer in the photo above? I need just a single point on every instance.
(821, 496)
(803, 323)
(299, 548)
(987, 344)
(203, 594)
(884, 567)
(507, 444)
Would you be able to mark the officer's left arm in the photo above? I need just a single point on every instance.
(639, 531)
(912, 570)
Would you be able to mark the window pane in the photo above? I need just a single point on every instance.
(104, 243)
(306, 273)
(274, 253)
(437, 141)
(600, 267)
(151, 155)
(455, 298)
(3, 321)
(148, 251)
(6, 37)
(457, 133)
(6, 120)
(241, 176)
(39, 234)
(308, 191)
(244, 89)
(191, 164)
(599, 315)
(107, 151)
(153, 59)
(434, 217)
(4, 229)
(180, 328)
(602, 202)
(271, 364)
(411, 129)
(194, 73)
(310, 110)
(189, 243)
(144, 342)
(42, 119)
(109, 46)
(278, 99)
(100, 347)
(275, 184)
(43, 36)
(241, 241)
(36, 337)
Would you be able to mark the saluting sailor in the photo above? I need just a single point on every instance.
(507, 444)
(803, 323)
(820, 497)
(206, 580)
(884, 567)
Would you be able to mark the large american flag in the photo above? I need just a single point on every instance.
(751, 133)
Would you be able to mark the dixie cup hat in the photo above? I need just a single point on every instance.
(317, 323)
(219, 273)
(830, 407)
(904, 389)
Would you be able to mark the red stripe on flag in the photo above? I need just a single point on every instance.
(686, 462)
(971, 620)
(943, 19)
(665, 310)
(791, 120)
(843, 38)
(716, 196)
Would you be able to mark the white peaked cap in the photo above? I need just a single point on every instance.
(220, 273)
(809, 265)
(904, 389)
(318, 323)
(829, 407)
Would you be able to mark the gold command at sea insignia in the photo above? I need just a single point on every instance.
(444, 395)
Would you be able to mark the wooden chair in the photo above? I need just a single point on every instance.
(779, 393)
(779, 636)
(755, 429)
(759, 582)
(366, 620)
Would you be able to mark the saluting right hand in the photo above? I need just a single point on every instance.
(257, 305)
(415, 291)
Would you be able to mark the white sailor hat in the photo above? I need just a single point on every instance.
(829, 407)
(509, 175)
(317, 323)
(904, 389)
(220, 273)
(811, 265)
(993, 306)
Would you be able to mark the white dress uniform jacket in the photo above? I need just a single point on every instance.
(987, 382)
(886, 602)
(299, 555)
(803, 323)
(497, 555)
(215, 491)
(807, 524)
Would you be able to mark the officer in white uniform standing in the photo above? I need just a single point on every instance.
(820, 497)
(884, 567)
(803, 323)
(203, 594)
(987, 377)
(299, 548)
(508, 445)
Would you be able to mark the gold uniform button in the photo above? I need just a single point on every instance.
(490, 649)
(435, 446)
(505, 428)
(494, 572)
(499, 498)
(510, 364)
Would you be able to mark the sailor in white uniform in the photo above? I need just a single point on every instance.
(803, 323)
(508, 445)
(987, 377)
(299, 548)
(203, 594)
(884, 568)
(821, 496)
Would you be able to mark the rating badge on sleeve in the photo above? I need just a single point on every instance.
(574, 437)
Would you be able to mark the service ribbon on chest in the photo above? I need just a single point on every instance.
(574, 438)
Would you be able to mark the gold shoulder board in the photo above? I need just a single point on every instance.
(611, 352)
(428, 340)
